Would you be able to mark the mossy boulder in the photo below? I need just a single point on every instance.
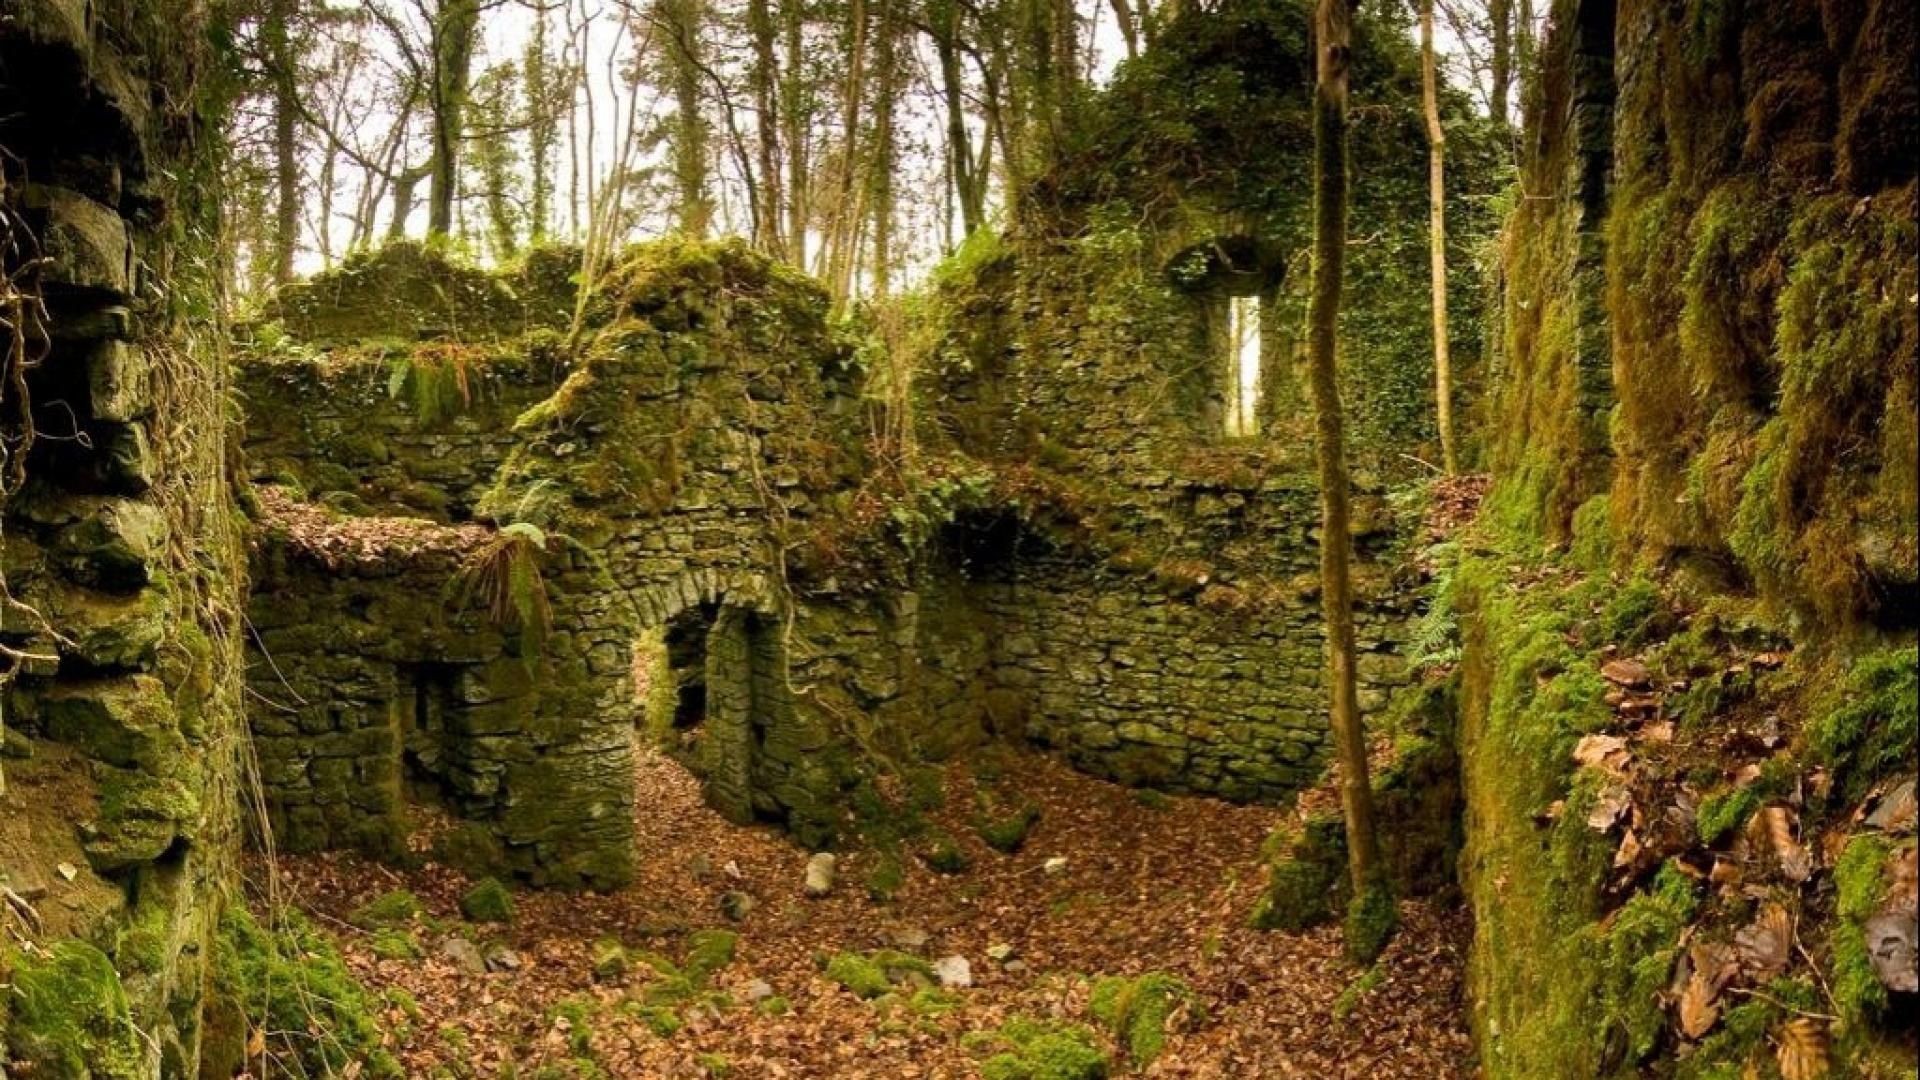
(69, 1017)
(1034, 1050)
(388, 910)
(1007, 833)
(876, 973)
(488, 901)
(289, 981)
(1140, 1011)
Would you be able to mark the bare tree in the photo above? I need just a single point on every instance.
(1333, 24)
(1437, 238)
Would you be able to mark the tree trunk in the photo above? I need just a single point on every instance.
(796, 126)
(455, 33)
(277, 33)
(1437, 239)
(885, 147)
(682, 20)
(1332, 26)
(542, 129)
(844, 229)
(1500, 15)
(969, 192)
(765, 76)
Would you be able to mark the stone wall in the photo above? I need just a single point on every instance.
(380, 694)
(119, 698)
(340, 426)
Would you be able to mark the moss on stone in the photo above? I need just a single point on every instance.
(944, 855)
(858, 975)
(388, 910)
(1140, 1011)
(1723, 812)
(708, 951)
(69, 1017)
(290, 982)
(488, 901)
(1868, 728)
(1036, 1050)
(1007, 833)
(1372, 917)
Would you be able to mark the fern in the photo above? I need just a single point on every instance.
(503, 575)
(438, 377)
(1435, 638)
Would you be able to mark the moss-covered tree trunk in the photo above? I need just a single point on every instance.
(1437, 239)
(1332, 33)
(456, 33)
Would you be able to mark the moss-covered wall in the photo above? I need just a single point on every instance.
(1711, 344)
(122, 563)
(1744, 394)
(417, 429)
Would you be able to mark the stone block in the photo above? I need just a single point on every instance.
(128, 722)
(87, 242)
(119, 381)
(114, 544)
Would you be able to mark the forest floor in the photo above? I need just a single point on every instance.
(1147, 884)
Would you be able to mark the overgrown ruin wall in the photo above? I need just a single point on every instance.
(122, 567)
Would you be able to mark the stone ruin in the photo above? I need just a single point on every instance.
(730, 565)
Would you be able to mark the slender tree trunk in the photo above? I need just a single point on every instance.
(277, 30)
(1437, 239)
(764, 77)
(682, 20)
(885, 147)
(1500, 15)
(1333, 27)
(542, 129)
(967, 190)
(843, 230)
(455, 34)
(404, 187)
(796, 122)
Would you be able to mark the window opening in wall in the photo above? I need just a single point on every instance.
(1243, 345)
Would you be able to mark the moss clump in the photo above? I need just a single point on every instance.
(291, 982)
(871, 975)
(1306, 879)
(1041, 1051)
(885, 877)
(1349, 999)
(944, 856)
(396, 908)
(609, 958)
(1008, 834)
(1725, 811)
(1372, 917)
(1635, 614)
(707, 952)
(1860, 881)
(69, 1018)
(858, 975)
(1869, 728)
(1139, 1011)
(488, 902)
(393, 944)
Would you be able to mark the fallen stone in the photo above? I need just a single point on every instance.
(954, 972)
(1000, 952)
(1628, 673)
(609, 959)
(736, 904)
(820, 874)
(758, 990)
(502, 958)
(463, 954)
(909, 938)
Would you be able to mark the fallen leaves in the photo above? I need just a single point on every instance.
(1893, 932)
(1608, 753)
(1709, 968)
(1766, 944)
(1773, 827)
(1803, 1049)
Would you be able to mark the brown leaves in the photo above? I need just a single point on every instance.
(1803, 1049)
(1710, 967)
(1628, 673)
(1772, 828)
(1766, 944)
(1606, 752)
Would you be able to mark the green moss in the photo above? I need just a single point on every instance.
(1042, 1051)
(488, 901)
(1634, 614)
(708, 951)
(885, 877)
(1138, 1011)
(69, 1016)
(1722, 812)
(1868, 729)
(393, 944)
(773, 1005)
(608, 957)
(291, 983)
(579, 1015)
(391, 909)
(944, 855)
(1860, 882)
(1372, 918)
(858, 975)
(1008, 834)
(1306, 876)
(1349, 999)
